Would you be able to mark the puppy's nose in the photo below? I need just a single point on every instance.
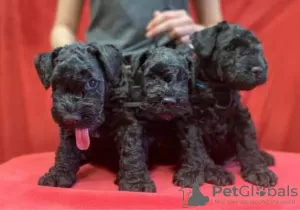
(169, 101)
(71, 120)
(257, 70)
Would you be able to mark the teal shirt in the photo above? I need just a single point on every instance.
(123, 22)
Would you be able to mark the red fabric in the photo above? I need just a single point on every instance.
(95, 188)
(26, 125)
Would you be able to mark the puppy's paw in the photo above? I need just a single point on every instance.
(218, 176)
(57, 179)
(137, 186)
(269, 159)
(263, 177)
(187, 177)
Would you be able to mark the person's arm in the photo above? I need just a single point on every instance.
(208, 12)
(66, 22)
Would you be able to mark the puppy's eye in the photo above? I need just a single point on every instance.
(168, 79)
(92, 83)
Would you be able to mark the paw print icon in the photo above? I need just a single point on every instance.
(261, 191)
(197, 198)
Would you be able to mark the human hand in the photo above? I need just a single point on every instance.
(176, 23)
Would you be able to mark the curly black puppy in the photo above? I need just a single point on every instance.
(154, 107)
(80, 75)
(229, 58)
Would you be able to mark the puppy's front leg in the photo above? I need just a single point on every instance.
(190, 170)
(196, 164)
(67, 163)
(253, 164)
(133, 172)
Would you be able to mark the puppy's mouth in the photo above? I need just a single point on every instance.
(82, 134)
(82, 138)
(246, 84)
(167, 116)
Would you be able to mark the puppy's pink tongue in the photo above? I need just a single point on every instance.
(82, 138)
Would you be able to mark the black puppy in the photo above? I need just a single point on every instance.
(153, 108)
(80, 75)
(229, 58)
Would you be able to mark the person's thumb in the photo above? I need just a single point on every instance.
(156, 13)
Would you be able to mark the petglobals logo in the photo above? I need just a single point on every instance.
(246, 191)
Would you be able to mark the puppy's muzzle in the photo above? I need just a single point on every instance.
(257, 71)
(71, 120)
(169, 102)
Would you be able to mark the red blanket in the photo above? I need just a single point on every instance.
(95, 189)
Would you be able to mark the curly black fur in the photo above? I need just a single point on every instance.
(159, 81)
(80, 76)
(228, 59)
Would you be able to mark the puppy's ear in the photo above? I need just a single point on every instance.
(137, 61)
(223, 25)
(205, 40)
(108, 56)
(44, 64)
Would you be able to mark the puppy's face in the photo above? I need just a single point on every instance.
(234, 54)
(79, 75)
(165, 83)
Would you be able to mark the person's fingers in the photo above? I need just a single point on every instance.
(169, 25)
(184, 30)
(156, 13)
(185, 39)
(160, 17)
